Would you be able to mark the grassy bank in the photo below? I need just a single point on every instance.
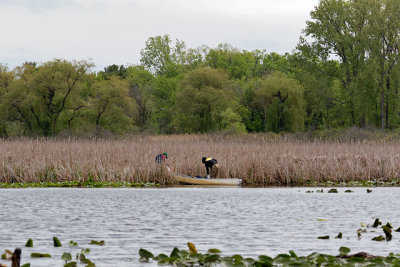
(257, 159)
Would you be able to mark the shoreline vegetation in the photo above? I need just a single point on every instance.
(258, 159)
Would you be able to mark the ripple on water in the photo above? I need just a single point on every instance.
(248, 221)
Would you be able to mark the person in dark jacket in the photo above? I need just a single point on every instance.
(211, 164)
(161, 157)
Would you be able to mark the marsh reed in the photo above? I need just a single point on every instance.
(258, 159)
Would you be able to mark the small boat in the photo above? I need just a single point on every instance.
(185, 179)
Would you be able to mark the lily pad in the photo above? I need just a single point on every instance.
(378, 238)
(388, 232)
(145, 255)
(40, 255)
(72, 244)
(344, 251)
(323, 237)
(98, 243)
(56, 242)
(333, 190)
(29, 243)
(376, 223)
(214, 250)
(66, 257)
(212, 258)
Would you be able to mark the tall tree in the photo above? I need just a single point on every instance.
(163, 56)
(140, 83)
(281, 104)
(111, 107)
(202, 102)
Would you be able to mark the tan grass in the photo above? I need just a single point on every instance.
(257, 159)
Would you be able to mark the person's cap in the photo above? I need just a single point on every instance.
(165, 154)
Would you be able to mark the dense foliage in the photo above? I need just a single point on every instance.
(344, 72)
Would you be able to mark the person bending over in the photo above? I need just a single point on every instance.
(211, 164)
(161, 157)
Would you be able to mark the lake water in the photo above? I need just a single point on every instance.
(247, 221)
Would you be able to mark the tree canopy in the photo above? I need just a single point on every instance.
(344, 72)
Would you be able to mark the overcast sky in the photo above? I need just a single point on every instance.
(114, 31)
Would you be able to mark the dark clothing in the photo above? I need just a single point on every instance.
(209, 162)
(160, 158)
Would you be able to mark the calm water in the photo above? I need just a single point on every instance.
(248, 221)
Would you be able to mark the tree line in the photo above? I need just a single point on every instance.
(344, 72)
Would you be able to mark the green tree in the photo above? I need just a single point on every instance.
(113, 70)
(41, 95)
(6, 79)
(111, 107)
(163, 56)
(202, 98)
(140, 83)
(281, 104)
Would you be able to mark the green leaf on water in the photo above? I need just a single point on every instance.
(388, 232)
(214, 250)
(40, 255)
(339, 235)
(376, 223)
(344, 251)
(72, 244)
(98, 243)
(26, 265)
(160, 257)
(323, 237)
(85, 251)
(29, 243)
(369, 190)
(333, 190)
(397, 230)
(292, 253)
(388, 225)
(237, 257)
(56, 242)
(145, 255)
(378, 238)
(322, 220)
(66, 257)
(212, 258)
(71, 264)
(174, 253)
(349, 191)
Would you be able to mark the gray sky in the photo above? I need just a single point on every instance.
(114, 31)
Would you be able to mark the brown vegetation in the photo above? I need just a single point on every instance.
(258, 159)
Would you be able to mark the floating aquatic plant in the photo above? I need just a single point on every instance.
(72, 244)
(56, 242)
(376, 223)
(6, 255)
(379, 238)
(29, 243)
(40, 255)
(98, 243)
(66, 256)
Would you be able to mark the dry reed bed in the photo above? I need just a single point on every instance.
(255, 158)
